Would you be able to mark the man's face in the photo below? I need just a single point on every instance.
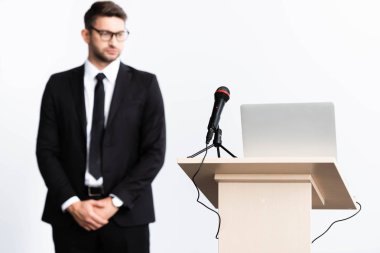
(101, 51)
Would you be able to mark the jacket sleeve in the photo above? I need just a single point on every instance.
(48, 147)
(152, 149)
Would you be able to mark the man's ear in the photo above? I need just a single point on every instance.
(86, 35)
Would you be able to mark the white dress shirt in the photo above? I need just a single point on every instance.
(90, 72)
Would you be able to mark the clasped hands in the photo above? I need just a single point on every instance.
(93, 214)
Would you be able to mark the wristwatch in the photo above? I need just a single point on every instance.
(116, 201)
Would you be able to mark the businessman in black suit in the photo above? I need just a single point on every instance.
(100, 144)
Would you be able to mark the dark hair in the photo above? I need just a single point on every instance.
(103, 9)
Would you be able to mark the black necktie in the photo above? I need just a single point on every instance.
(97, 129)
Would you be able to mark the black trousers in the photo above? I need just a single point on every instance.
(109, 239)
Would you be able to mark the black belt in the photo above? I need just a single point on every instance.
(95, 191)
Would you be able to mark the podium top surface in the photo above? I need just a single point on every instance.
(329, 189)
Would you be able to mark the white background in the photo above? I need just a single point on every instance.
(264, 51)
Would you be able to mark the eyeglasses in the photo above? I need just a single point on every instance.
(107, 35)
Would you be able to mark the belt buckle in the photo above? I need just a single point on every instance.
(95, 191)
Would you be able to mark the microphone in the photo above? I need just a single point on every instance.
(222, 95)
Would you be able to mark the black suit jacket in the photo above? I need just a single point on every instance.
(133, 144)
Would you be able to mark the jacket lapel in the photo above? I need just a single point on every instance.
(77, 87)
(122, 80)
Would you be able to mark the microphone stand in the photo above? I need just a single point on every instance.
(216, 143)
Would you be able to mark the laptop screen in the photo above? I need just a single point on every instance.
(288, 130)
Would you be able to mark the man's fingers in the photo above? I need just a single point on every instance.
(91, 221)
(91, 216)
(97, 219)
(87, 227)
(86, 216)
(83, 225)
(91, 225)
(99, 203)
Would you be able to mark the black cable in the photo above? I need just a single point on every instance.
(193, 179)
(360, 208)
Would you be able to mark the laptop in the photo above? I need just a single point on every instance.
(288, 130)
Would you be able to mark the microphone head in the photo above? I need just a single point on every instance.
(222, 93)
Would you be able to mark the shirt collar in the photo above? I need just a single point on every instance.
(110, 71)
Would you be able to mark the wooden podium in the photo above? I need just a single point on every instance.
(265, 203)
